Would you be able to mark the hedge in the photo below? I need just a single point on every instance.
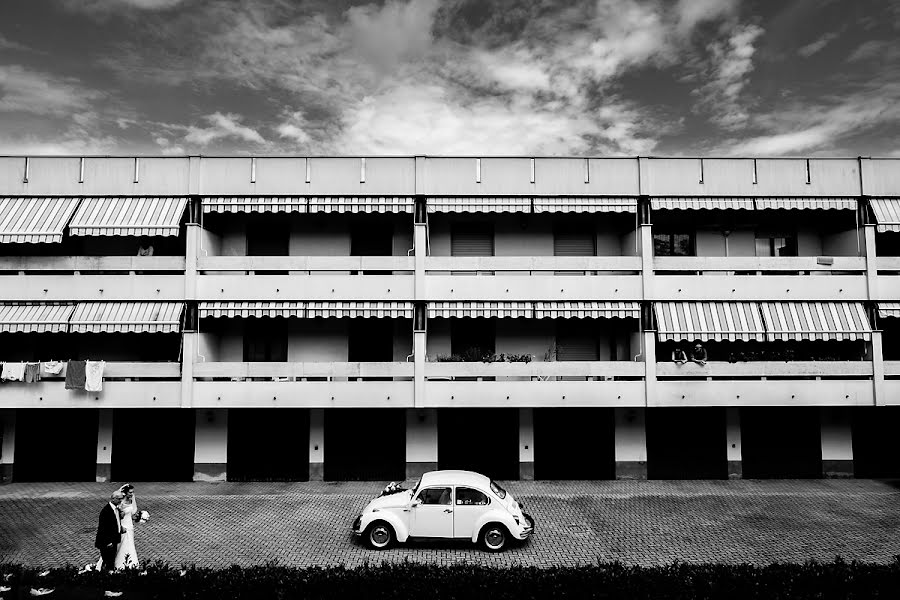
(813, 580)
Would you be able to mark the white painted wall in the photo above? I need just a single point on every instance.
(211, 436)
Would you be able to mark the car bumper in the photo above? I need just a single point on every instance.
(355, 529)
(527, 528)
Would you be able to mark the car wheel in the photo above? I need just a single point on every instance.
(494, 537)
(379, 535)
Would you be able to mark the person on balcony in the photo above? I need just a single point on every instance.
(679, 356)
(698, 354)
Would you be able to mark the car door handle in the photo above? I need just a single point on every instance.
(448, 510)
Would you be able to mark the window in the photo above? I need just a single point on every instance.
(470, 497)
(673, 244)
(776, 244)
(495, 487)
(266, 342)
(435, 496)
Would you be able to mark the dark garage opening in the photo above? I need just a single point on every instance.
(485, 440)
(781, 443)
(365, 444)
(876, 445)
(153, 444)
(686, 443)
(56, 444)
(268, 444)
(574, 443)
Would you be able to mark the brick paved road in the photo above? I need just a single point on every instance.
(302, 524)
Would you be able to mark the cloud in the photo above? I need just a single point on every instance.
(8, 44)
(222, 126)
(814, 47)
(23, 90)
(293, 127)
(105, 7)
(395, 32)
(884, 50)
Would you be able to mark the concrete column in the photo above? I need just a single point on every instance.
(317, 444)
(419, 389)
(7, 443)
(192, 249)
(649, 353)
(871, 261)
(104, 445)
(188, 353)
(420, 243)
(733, 439)
(421, 441)
(837, 441)
(631, 443)
(878, 369)
(211, 444)
(526, 444)
(646, 233)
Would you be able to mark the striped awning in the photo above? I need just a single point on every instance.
(35, 318)
(260, 204)
(815, 321)
(128, 216)
(708, 321)
(366, 310)
(134, 317)
(480, 204)
(799, 203)
(584, 204)
(889, 310)
(251, 309)
(887, 213)
(362, 204)
(586, 310)
(701, 202)
(34, 220)
(448, 310)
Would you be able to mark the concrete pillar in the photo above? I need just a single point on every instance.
(526, 444)
(871, 261)
(188, 352)
(420, 236)
(211, 444)
(649, 356)
(419, 389)
(631, 443)
(733, 439)
(104, 445)
(878, 369)
(421, 441)
(837, 441)
(7, 443)
(317, 444)
(192, 250)
(646, 234)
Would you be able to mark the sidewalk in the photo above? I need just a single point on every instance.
(306, 524)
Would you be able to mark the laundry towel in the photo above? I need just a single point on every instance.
(13, 372)
(52, 367)
(93, 378)
(32, 372)
(75, 375)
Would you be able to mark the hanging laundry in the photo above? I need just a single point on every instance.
(75, 375)
(32, 372)
(13, 372)
(52, 367)
(93, 378)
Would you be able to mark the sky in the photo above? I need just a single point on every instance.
(451, 77)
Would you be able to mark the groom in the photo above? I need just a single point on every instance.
(109, 531)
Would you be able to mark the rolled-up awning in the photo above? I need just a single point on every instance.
(219, 309)
(35, 318)
(889, 310)
(700, 202)
(123, 317)
(887, 213)
(128, 216)
(260, 204)
(34, 220)
(798, 203)
(489, 204)
(815, 321)
(708, 321)
(447, 310)
(586, 310)
(584, 204)
(362, 204)
(366, 310)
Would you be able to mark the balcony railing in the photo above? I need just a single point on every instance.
(759, 265)
(302, 371)
(398, 265)
(763, 370)
(39, 265)
(534, 265)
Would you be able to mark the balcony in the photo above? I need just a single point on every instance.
(837, 278)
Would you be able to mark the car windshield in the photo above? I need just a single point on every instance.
(416, 487)
(495, 487)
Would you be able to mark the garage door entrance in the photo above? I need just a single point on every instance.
(56, 444)
(781, 443)
(686, 443)
(153, 444)
(365, 444)
(485, 440)
(876, 449)
(268, 444)
(574, 443)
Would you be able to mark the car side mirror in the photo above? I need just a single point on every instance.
(415, 503)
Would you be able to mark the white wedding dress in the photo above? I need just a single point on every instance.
(126, 556)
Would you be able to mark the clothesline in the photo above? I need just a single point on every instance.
(80, 374)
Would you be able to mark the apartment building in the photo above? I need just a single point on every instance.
(375, 317)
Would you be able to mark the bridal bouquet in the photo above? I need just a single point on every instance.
(143, 516)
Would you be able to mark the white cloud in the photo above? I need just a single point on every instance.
(23, 90)
(692, 13)
(222, 126)
(166, 146)
(103, 7)
(293, 128)
(395, 32)
(816, 46)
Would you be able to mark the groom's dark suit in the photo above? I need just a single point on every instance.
(108, 535)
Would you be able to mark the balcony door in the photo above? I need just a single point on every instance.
(574, 242)
(471, 240)
(265, 340)
(372, 239)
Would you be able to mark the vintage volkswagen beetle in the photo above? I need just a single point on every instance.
(445, 505)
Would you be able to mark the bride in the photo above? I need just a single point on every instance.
(126, 556)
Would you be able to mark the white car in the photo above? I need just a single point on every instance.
(445, 505)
